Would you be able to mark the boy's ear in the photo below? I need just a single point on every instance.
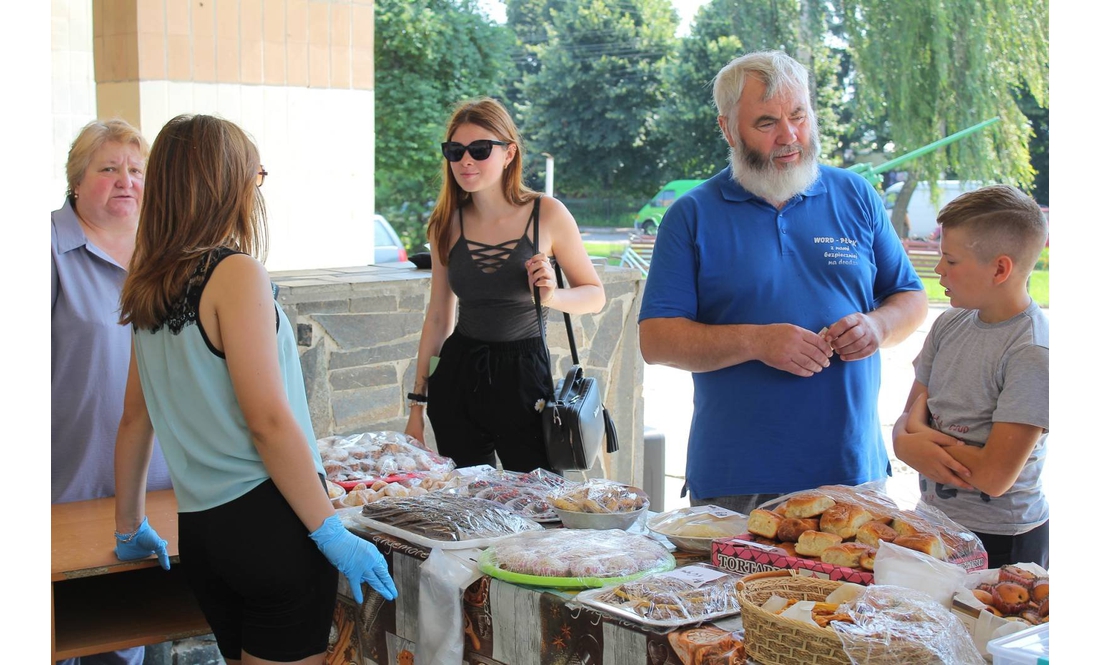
(1003, 268)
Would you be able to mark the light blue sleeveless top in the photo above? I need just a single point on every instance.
(195, 413)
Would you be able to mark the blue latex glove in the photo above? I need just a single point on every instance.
(357, 559)
(142, 543)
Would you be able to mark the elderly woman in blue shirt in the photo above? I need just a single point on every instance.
(92, 240)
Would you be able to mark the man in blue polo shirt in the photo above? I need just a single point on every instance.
(776, 282)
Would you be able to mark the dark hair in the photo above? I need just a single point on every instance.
(200, 194)
(1003, 221)
(489, 114)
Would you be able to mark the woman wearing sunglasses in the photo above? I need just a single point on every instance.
(485, 394)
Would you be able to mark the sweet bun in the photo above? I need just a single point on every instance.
(1021, 576)
(813, 543)
(791, 528)
(844, 519)
(923, 542)
(1040, 591)
(789, 548)
(867, 561)
(845, 554)
(983, 596)
(872, 533)
(809, 504)
(1010, 598)
(764, 523)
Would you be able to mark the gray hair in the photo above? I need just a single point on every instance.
(778, 72)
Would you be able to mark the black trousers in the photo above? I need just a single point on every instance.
(482, 400)
(1030, 547)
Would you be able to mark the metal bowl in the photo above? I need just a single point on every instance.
(578, 520)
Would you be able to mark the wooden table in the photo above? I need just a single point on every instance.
(102, 604)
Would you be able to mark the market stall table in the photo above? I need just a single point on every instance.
(504, 623)
(99, 603)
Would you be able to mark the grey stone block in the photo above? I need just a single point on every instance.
(158, 654)
(318, 392)
(374, 355)
(358, 331)
(334, 306)
(606, 339)
(359, 410)
(363, 377)
(373, 304)
(415, 302)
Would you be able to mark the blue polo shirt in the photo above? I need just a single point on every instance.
(725, 256)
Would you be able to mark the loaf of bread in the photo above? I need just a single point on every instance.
(764, 523)
(867, 561)
(791, 528)
(844, 519)
(928, 543)
(813, 543)
(809, 504)
(845, 554)
(872, 533)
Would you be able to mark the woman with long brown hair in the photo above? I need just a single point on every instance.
(215, 373)
(484, 396)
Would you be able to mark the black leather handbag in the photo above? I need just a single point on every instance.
(575, 422)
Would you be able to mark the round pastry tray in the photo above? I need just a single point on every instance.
(489, 568)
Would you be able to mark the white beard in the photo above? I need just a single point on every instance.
(770, 180)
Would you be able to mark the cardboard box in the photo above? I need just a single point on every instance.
(741, 555)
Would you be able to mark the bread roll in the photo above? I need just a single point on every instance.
(810, 504)
(844, 519)
(764, 523)
(923, 542)
(791, 528)
(867, 561)
(873, 532)
(813, 543)
(789, 548)
(908, 523)
(845, 554)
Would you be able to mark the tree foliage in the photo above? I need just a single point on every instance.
(591, 97)
(429, 55)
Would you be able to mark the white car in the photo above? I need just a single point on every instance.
(387, 244)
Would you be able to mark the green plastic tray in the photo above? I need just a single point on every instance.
(487, 567)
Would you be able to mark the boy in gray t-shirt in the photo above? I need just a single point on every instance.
(976, 421)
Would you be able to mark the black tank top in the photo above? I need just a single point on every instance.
(494, 301)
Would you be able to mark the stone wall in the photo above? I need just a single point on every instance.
(358, 330)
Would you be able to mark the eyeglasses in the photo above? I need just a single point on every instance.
(479, 150)
(260, 176)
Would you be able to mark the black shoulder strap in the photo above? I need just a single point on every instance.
(561, 285)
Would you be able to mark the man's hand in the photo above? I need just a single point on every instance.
(922, 447)
(855, 336)
(792, 349)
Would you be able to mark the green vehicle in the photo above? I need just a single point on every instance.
(649, 217)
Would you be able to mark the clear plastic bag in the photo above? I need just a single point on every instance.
(687, 595)
(575, 558)
(902, 567)
(443, 520)
(376, 455)
(523, 493)
(895, 625)
(599, 496)
(443, 578)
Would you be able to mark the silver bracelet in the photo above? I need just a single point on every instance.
(125, 538)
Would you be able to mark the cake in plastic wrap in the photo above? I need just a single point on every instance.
(678, 597)
(439, 519)
(523, 493)
(371, 456)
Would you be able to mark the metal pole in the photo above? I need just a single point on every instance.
(549, 173)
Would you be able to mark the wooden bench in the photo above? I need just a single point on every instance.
(924, 255)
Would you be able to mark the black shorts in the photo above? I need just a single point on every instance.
(1029, 547)
(261, 582)
(482, 400)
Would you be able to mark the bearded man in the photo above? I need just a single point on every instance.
(775, 283)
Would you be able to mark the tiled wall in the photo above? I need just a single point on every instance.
(73, 94)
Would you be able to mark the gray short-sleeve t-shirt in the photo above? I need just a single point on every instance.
(977, 374)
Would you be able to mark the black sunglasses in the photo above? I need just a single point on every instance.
(479, 150)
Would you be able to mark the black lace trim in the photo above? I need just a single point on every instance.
(184, 310)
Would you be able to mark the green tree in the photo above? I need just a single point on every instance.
(933, 67)
(429, 55)
(591, 95)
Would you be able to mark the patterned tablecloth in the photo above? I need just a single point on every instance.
(504, 624)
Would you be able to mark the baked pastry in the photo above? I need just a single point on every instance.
(764, 523)
(791, 528)
(845, 554)
(1021, 576)
(1010, 598)
(983, 596)
(809, 504)
(707, 645)
(1040, 591)
(813, 543)
(873, 532)
(923, 542)
(844, 519)
(867, 560)
(789, 548)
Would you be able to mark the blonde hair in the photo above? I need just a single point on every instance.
(1002, 220)
(488, 114)
(778, 72)
(200, 194)
(91, 138)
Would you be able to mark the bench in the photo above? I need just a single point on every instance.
(924, 255)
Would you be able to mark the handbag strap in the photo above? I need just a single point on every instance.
(561, 285)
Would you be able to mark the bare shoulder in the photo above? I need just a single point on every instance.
(554, 211)
(240, 273)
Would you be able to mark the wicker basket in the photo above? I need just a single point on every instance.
(774, 640)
